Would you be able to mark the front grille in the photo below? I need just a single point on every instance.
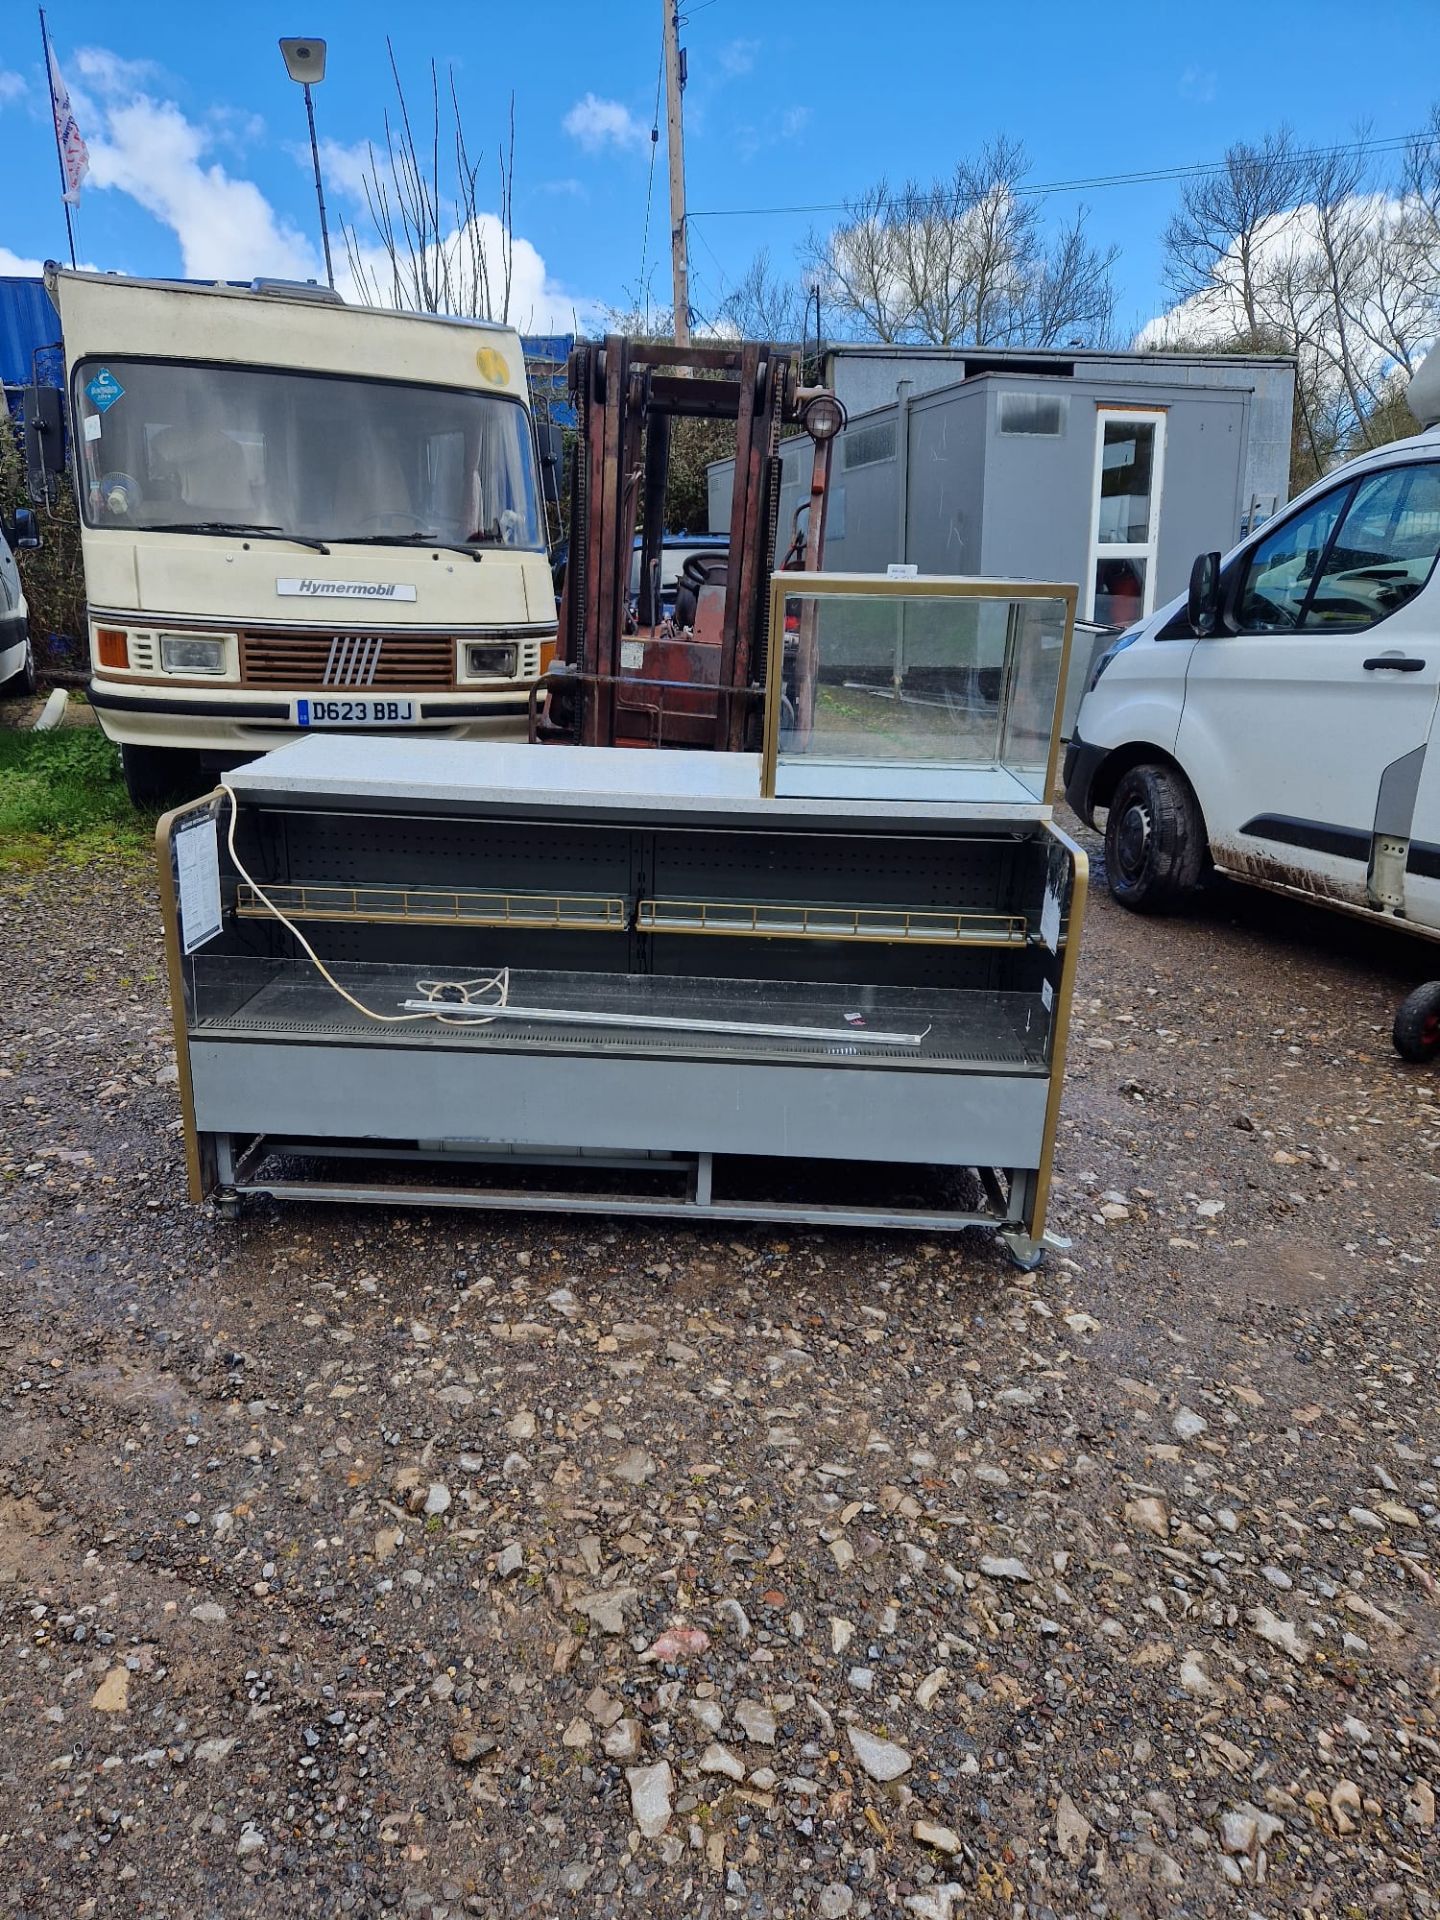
(398, 661)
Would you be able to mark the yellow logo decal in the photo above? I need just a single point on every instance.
(492, 366)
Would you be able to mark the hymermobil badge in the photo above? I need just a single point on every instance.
(346, 589)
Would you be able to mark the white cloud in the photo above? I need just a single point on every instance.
(13, 86)
(16, 263)
(345, 168)
(738, 58)
(1198, 84)
(144, 146)
(598, 123)
(236, 129)
(226, 227)
(20, 264)
(786, 125)
(1292, 292)
(112, 75)
(538, 304)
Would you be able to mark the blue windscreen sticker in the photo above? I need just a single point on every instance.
(103, 390)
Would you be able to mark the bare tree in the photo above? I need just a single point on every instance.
(1342, 248)
(1228, 220)
(859, 266)
(762, 305)
(435, 247)
(964, 260)
(1320, 255)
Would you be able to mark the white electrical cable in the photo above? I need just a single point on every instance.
(464, 993)
(465, 1007)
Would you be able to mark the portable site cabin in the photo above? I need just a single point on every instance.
(1112, 470)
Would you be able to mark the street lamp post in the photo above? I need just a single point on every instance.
(305, 63)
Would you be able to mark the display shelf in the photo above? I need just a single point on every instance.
(247, 998)
(781, 920)
(436, 907)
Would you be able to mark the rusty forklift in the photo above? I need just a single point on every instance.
(627, 672)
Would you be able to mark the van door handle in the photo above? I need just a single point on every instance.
(1393, 663)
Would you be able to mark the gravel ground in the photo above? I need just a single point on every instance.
(353, 1562)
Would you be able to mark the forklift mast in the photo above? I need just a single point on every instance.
(629, 675)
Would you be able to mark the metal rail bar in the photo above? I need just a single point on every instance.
(436, 907)
(779, 920)
(647, 1206)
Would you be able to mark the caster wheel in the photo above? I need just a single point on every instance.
(1023, 1252)
(1417, 1024)
(227, 1207)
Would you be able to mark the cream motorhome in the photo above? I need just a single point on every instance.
(298, 515)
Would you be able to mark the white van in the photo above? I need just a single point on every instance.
(1276, 722)
(17, 654)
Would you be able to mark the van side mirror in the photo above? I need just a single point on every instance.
(44, 439)
(552, 456)
(22, 531)
(1203, 605)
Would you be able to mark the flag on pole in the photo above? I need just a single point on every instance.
(74, 154)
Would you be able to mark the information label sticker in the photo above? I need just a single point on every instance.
(103, 390)
(632, 654)
(1050, 920)
(91, 428)
(197, 880)
(902, 570)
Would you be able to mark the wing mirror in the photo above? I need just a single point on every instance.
(1203, 605)
(44, 440)
(552, 456)
(22, 532)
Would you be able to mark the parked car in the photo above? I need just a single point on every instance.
(17, 652)
(1277, 723)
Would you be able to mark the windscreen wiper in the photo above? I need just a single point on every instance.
(402, 540)
(235, 526)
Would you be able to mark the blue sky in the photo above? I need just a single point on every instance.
(193, 122)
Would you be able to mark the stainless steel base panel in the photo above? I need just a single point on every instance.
(612, 1104)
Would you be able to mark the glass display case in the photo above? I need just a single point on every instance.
(826, 985)
(915, 689)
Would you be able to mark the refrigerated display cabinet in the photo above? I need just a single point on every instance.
(825, 982)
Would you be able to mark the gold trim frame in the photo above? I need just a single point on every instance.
(1060, 1032)
(878, 586)
(199, 1163)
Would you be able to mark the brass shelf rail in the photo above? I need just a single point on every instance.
(779, 920)
(438, 907)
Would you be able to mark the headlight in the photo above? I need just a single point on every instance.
(1127, 639)
(179, 653)
(491, 662)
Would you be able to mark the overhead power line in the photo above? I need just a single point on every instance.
(641, 295)
(1391, 144)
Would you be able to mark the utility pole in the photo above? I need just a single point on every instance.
(674, 119)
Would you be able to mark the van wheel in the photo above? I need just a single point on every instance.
(157, 776)
(1155, 843)
(1416, 1032)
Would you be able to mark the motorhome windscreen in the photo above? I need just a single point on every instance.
(181, 446)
